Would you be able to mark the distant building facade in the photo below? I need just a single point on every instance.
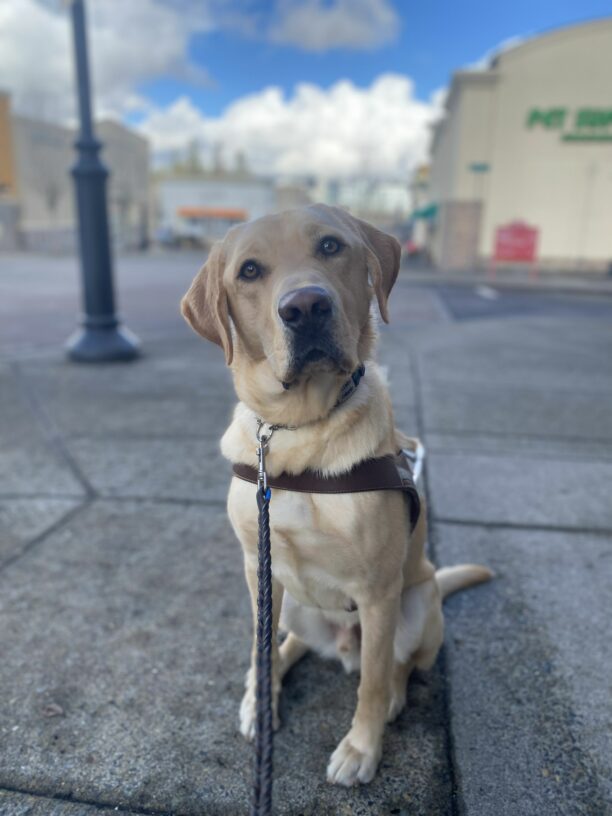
(528, 140)
(37, 207)
(200, 208)
(383, 202)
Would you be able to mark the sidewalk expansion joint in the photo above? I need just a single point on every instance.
(506, 454)
(39, 495)
(540, 437)
(38, 539)
(53, 437)
(219, 503)
(481, 386)
(510, 525)
(213, 436)
(90, 803)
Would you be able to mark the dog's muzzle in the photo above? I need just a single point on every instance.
(307, 314)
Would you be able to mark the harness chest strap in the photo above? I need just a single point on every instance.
(384, 473)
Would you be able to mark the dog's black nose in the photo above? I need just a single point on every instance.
(302, 307)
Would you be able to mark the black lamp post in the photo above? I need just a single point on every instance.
(101, 337)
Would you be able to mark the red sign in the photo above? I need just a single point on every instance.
(516, 242)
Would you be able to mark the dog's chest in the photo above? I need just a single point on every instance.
(311, 546)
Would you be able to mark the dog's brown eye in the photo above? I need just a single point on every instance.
(330, 246)
(250, 270)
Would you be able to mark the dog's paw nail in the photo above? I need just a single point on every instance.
(396, 706)
(349, 766)
(247, 716)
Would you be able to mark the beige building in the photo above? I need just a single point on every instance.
(36, 188)
(528, 139)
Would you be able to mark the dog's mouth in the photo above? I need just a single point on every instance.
(323, 357)
(314, 355)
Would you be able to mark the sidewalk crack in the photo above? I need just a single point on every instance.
(91, 803)
(53, 437)
(511, 525)
(33, 542)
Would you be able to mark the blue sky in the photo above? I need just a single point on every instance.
(432, 40)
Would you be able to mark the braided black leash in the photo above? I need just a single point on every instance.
(262, 785)
(264, 733)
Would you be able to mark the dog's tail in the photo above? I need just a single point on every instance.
(452, 579)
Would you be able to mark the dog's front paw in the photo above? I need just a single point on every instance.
(348, 765)
(248, 711)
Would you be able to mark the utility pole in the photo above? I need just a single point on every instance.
(101, 337)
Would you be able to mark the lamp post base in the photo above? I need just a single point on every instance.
(103, 345)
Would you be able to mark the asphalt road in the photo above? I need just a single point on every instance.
(40, 298)
(487, 302)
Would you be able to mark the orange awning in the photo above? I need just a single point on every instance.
(226, 213)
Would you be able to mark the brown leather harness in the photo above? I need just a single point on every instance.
(384, 473)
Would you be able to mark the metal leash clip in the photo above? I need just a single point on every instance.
(263, 439)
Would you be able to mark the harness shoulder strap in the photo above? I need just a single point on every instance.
(391, 472)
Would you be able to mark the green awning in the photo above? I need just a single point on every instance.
(427, 213)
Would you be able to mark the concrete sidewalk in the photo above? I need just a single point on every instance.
(125, 622)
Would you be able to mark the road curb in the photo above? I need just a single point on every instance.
(556, 286)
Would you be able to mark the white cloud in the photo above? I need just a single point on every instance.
(343, 131)
(34, 62)
(316, 25)
(336, 132)
(130, 42)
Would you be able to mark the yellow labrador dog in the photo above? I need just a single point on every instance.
(288, 299)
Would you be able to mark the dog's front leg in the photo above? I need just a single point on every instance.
(247, 707)
(358, 754)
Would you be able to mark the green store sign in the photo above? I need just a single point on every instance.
(583, 125)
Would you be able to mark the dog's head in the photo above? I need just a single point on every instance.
(288, 295)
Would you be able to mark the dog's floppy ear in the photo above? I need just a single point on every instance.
(384, 253)
(205, 305)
